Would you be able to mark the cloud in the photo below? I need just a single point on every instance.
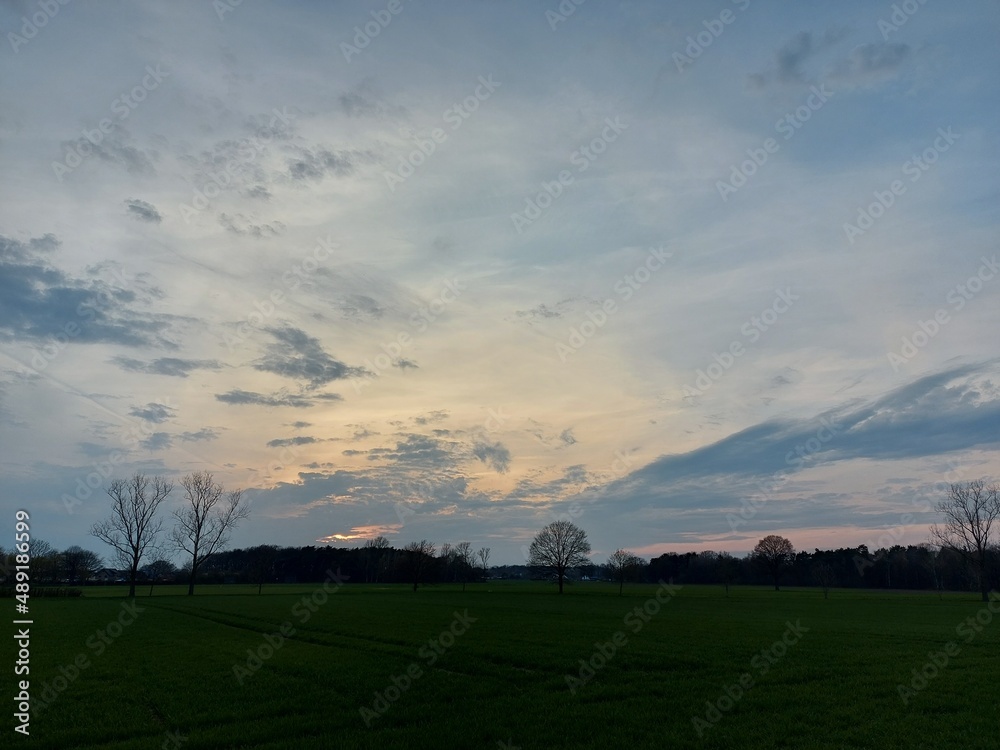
(39, 302)
(405, 364)
(494, 455)
(170, 366)
(143, 211)
(416, 450)
(871, 63)
(285, 442)
(954, 410)
(242, 225)
(153, 412)
(315, 164)
(299, 355)
(117, 148)
(438, 415)
(241, 397)
(157, 441)
(205, 433)
(792, 56)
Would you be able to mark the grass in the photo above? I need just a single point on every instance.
(504, 678)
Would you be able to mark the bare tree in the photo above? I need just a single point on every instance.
(484, 560)
(466, 559)
(622, 563)
(206, 521)
(970, 510)
(419, 558)
(826, 577)
(133, 527)
(79, 564)
(44, 562)
(559, 547)
(773, 553)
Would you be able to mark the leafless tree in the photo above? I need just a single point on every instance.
(133, 526)
(970, 510)
(773, 553)
(559, 547)
(622, 563)
(484, 560)
(419, 558)
(44, 561)
(466, 560)
(206, 521)
(826, 577)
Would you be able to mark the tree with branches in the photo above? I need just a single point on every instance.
(558, 548)
(206, 521)
(79, 564)
(970, 511)
(419, 559)
(773, 554)
(466, 559)
(622, 564)
(484, 560)
(133, 527)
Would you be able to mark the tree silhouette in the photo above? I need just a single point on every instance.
(133, 527)
(970, 510)
(773, 553)
(419, 558)
(621, 563)
(205, 523)
(559, 547)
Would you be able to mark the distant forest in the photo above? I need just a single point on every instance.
(914, 567)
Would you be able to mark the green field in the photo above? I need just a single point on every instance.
(499, 676)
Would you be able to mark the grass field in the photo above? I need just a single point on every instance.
(488, 668)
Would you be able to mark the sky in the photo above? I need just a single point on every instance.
(686, 274)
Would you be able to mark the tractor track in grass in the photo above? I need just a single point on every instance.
(265, 626)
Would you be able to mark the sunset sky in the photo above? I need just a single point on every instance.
(686, 273)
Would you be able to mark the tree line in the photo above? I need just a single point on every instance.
(964, 554)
